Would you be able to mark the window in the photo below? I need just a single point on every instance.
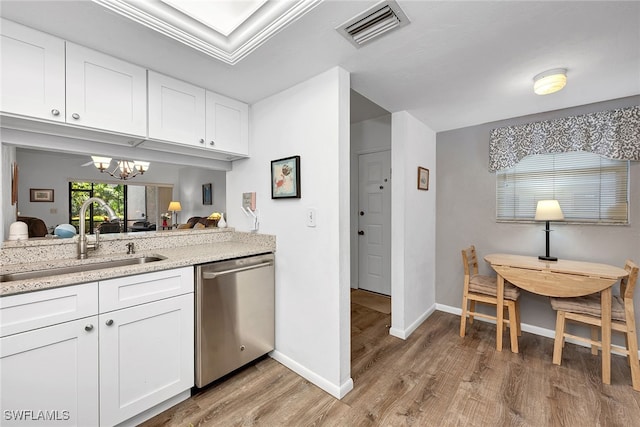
(589, 188)
(114, 195)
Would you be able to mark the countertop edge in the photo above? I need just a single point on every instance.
(174, 258)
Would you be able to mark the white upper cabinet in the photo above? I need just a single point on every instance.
(32, 73)
(104, 92)
(99, 91)
(176, 110)
(227, 124)
(101, 98)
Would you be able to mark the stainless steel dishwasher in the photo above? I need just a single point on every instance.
(235, 314)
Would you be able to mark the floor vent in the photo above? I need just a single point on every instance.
(373, 23)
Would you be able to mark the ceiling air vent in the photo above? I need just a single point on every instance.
(373, 23)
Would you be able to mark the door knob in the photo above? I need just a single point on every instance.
(381, 187)
(88, 327)
(109, 322)
(361, 233)
(76, 116)
(55, 112)
(361, 213)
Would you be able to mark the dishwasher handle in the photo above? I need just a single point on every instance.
(213, 275)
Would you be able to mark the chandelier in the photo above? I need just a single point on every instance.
(125, 169)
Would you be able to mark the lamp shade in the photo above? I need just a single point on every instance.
(549, 210)
(101, 162)
(550, 81)
(174, 207)
(141, 166)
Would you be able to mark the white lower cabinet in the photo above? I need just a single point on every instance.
(146, 357)
(49, 376)
(131, 358)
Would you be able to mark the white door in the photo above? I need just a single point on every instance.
(146, 356)
(374, 222)
(32, 73)
(105, 92)
(49, 376)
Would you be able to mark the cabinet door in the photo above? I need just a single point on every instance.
(176, 110)
(146, 356)
(227, 124)
(104, 92)
(32, 73)
(50, 375)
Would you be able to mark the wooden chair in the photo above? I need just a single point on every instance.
(483, 289)
(588, 310)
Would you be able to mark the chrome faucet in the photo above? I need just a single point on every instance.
(83, 245)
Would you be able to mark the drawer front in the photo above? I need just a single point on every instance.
(143, 288)
(24, 312)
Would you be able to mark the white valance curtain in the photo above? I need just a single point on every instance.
(614, 134)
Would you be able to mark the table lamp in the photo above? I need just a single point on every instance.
(174, 208)
(548, 210)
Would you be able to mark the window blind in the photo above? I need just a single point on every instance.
(589, 187)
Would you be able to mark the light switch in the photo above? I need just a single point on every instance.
(311, 217)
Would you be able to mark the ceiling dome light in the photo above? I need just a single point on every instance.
(550, 81)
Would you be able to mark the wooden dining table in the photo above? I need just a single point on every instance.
(561, 278)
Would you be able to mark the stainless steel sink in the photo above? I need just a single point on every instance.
(78, 268)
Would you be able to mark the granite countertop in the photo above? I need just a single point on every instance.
(174, 258)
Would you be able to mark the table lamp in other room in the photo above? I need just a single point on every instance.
(548, 210)
(174, 208)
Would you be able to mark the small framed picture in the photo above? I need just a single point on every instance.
(207, 194)
(423, 178)
(40, 195)
(285, 178)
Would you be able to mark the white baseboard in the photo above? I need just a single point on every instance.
(337, 391)
(404, 333)
(536, 330)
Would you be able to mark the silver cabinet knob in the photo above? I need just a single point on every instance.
(75, 116)
(109, 322)
(201, 141)
(55, 112)
(212, 143)
(88, 327)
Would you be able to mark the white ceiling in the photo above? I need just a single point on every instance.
(457, 64)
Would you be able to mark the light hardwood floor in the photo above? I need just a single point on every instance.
(434, 378)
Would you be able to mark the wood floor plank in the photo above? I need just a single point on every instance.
(434, 378)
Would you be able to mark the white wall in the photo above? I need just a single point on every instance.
(367, 136)
(413, 217)
(311, 120)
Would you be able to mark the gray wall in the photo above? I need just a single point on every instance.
(466, 215)
(190, 192)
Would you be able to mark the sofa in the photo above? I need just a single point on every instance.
(35, 226)
(196, 222)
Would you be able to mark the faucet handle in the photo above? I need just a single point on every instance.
(130, 248)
